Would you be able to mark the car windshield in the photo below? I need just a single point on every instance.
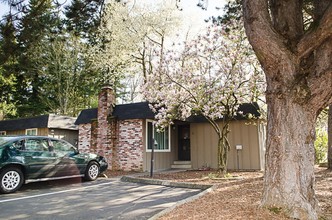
(4, 140)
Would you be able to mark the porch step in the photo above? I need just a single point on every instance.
(181, 165)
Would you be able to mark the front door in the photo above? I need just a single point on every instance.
(184, 143)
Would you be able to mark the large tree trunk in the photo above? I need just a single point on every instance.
(289, 178)
(298, 69)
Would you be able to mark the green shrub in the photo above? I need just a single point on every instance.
(321, 146)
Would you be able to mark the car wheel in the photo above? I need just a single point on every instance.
(11, 179)
(92, 171)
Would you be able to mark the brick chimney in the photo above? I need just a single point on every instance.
(106, 127)
(106, 103)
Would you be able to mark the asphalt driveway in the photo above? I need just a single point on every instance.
(101, 199)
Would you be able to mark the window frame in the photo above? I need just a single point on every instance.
(153, 129)
(31, 129)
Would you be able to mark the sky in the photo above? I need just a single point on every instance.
(194, 16)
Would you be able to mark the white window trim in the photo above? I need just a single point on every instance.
(31, 129)
(146, 138)
(3, 133)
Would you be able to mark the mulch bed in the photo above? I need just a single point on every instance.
(235, 198)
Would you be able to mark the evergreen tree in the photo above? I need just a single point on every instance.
(8, 66)
(83, 17)
(35, 27)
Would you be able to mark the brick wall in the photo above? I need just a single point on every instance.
(120, 142)
(130, 145)
(126, 151)
(84, 137)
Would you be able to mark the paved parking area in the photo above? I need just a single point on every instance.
(101, 199)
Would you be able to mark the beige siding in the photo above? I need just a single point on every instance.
(40, 131)
(204, 146)
(262, 143)
(19, 132)
(162, 160)
(69, 135)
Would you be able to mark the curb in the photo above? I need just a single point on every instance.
(164, 183)
(206, 189)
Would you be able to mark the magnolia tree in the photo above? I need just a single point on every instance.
(209, 76)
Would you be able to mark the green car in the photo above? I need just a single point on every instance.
(25, 159)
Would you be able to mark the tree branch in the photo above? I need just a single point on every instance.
(269, 45)
(315, 37)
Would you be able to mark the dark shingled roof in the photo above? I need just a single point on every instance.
(141, 110)
(86, 116)
(43, 121)
(138, 110)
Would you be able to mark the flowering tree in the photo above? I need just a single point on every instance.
(209, 76)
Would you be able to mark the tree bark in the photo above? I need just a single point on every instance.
(223, 143)
(289, 170)
(298, 69)
(223, 148)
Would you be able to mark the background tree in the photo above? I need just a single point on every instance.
(8, 61)
(7, 104)
(210, 76)
(19, 32)
(67, 81)
(83, 18)
(36, 36)
(33, 37)
(126, 38)
(295, 54)
(155, 28)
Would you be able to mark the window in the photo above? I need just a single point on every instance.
(62, 148)
(60, 145)
(161, 138)
(32, 131)
(2, 133)
(36, 145)
(19, 145)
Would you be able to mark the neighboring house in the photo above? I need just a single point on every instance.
(58, 126)
(123, 134)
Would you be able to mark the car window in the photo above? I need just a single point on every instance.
(36, 145)
(59, 145)
(17, 145)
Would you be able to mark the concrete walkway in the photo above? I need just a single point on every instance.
(136, 178)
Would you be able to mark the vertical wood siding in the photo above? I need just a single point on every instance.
(69, 135)
(204, 146)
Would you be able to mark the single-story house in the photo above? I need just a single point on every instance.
(123, 134)
(58, 126)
